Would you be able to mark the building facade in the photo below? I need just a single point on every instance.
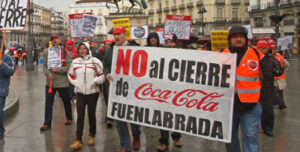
(98, 8)
(218, 14)
(290, 9)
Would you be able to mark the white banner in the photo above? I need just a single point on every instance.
(139, 32)
(285, 43)
(161, 88)
(89, 25)
(179, 25)
(54, 57)
(13, 14)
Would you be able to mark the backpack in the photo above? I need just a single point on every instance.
(277, 69)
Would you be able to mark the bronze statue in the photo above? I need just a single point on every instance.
(142, 4)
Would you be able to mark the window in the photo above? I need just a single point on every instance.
(174, 2)
(259, 22)
(191, 12)
(220, 12)
(289, 20)
(235, 13)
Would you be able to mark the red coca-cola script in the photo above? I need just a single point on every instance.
(190, 98)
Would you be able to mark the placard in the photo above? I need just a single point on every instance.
(219, 39)
(139, 32)
(285, 43)
(179, 25)
(54, 57)
(161, 88)
(160, 32)
(13, 14)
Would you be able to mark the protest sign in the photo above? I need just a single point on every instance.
(54, 57)
(219, 39)
(160, 32)
(13, 14)
(179, 25)
(161, 88)
(285, 43)
(82, 25)
(124, 22)
(139, 32)
(89, 25)
(76, 25)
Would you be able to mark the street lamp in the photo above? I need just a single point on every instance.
(29, 64)
(202, 11)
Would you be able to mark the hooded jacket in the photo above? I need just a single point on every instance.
(74, 49)
(155, 35)
(86, 73)
(7, 69)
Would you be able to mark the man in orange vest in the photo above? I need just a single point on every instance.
(247, 109)
(280, 81)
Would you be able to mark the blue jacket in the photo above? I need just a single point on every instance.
(7, 69)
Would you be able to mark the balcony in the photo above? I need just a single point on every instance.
(270, 5)
(235, 2)
(159, 10)
(200, 21)
(151, 11)
(286, 3)
(190, 5)
(235, 20)
(174, 7)
(166, 9)
(247, 2)
(181, 6)
(220, 2)
(255, 7)
(289, 22)
(259, 24)
(220, 20)
(199, 3)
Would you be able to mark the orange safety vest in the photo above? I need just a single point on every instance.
(248, 76)
(16, 54)
(280, 59)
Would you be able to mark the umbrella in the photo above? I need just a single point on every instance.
(12, 48)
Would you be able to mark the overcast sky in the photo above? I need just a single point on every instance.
(59, 5)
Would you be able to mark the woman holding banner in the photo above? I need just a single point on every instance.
(86, 74)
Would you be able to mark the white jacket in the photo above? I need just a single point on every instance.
(86, 73)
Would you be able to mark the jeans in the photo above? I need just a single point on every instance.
(124, 134)
(2, 104)
(164, 139)
(249, 122)
(63, 92)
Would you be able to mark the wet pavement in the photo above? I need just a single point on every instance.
(23, 133)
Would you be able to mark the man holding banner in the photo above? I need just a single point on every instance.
(7, 69)
(56, 67)
(247, 109)
(120, 40)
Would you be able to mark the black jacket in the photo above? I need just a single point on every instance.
(267, 86)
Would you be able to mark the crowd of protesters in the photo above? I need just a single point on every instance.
(85, 75)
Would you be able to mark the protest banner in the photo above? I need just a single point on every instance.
(161, 88)
(89, 25)
(13, 14)
(179, 25)
(285, 43)
(82, 25)
(219, 39)
(124, 22)
(54, 57)
(139, 32)
(160, 32)
(76, 25)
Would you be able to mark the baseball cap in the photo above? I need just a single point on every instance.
(109, 40)
(262, 44)
(119, 30)
(272, 46)
(54, 37)
(271, 41)
(172, 37)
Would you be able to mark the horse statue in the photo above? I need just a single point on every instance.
(142, 4)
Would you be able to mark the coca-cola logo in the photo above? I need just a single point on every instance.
(252, 64)
(190, 98)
